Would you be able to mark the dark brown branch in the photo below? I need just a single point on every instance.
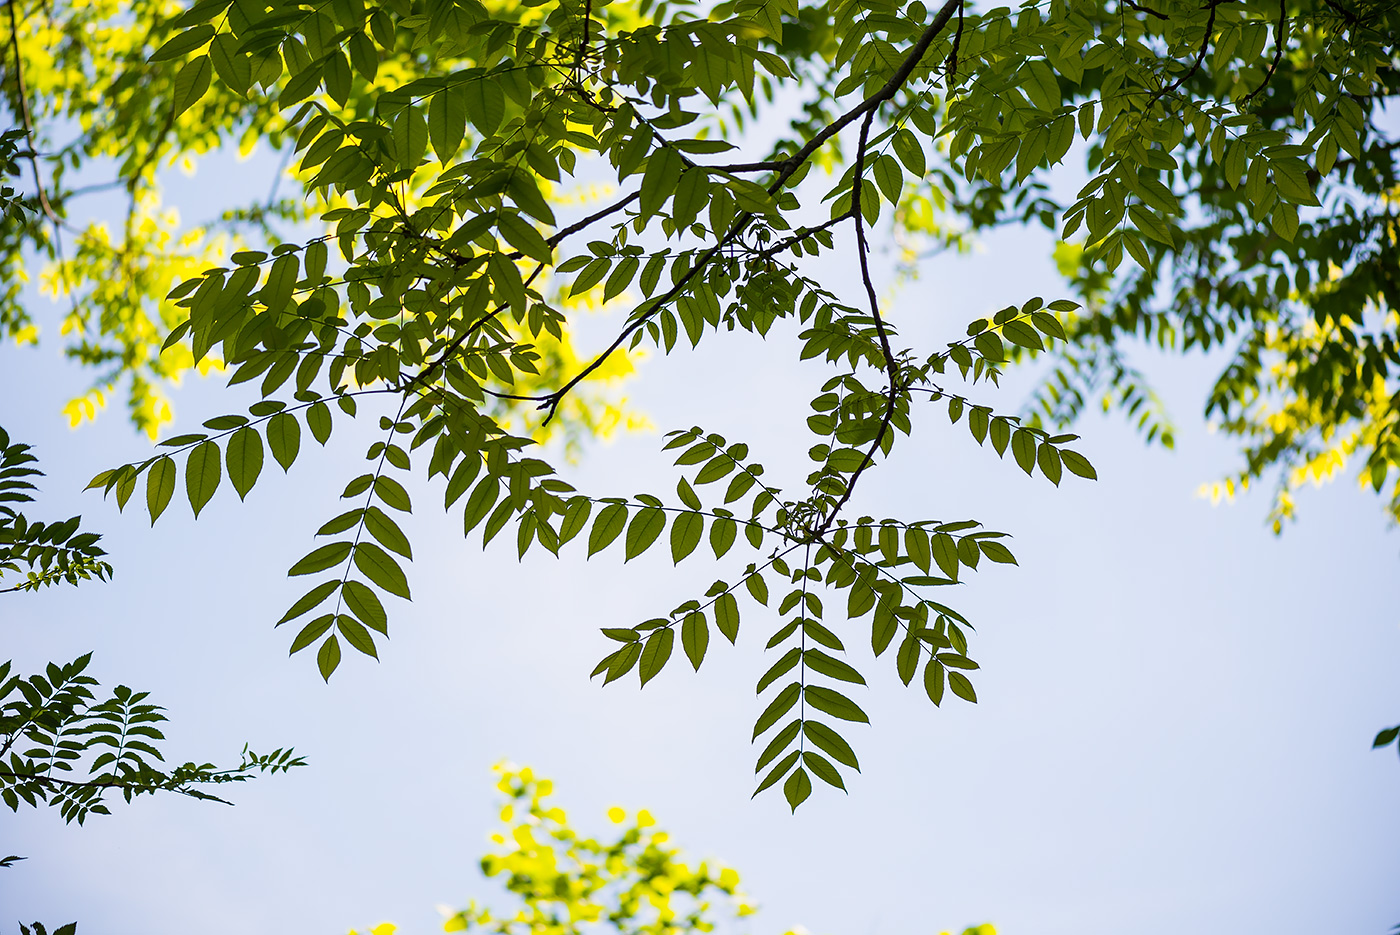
(790, 166)
(1278, 52)
(583, 42)
(1351, 18)
(746, 167)
(23, 93)
(1200, 57)
(891, 364)
(950, 70)
(574, 228)
(1145, 9)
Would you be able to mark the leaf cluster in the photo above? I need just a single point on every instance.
(61, 746)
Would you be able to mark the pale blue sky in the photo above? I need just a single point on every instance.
(1173, 733)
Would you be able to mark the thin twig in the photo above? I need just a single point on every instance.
(790, 166)
(802, 235)
(1145, 9)
(27, 118)
(1200, 57)
(583, 42)
(1278, 52)
(891, 364)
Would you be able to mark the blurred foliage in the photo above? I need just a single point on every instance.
(633, 882)
(97, 125)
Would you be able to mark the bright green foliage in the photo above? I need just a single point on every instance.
(432, 138)
(567, 884)
(428, 306)
(1235, 154)
(46, 553)
(61, 746)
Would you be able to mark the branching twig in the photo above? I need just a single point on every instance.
(1278, 52)
(789, 167)
(1200, 57)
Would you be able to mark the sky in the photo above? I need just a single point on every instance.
(1173, 730)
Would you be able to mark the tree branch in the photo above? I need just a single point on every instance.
(1278, 53)
(789, 166)
(891, 364)
(23, 94)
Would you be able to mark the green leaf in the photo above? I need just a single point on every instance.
(777, 670)
(777, 772)
(686, 530)
(1078, 465)
(778, 744)
(447, 122)
(607, 527)
(933, 681)
(907, 659)
(723, 531)
(318, 419)
(655, 653)
(659, 180)
(183, 43)
(831, 667)
(479, 504)
(645, 527)
(575, 518)
(312, 632)
(284, 438)
(160, 485)
(328, 658)
(834, 703)
(758, 588)
(916, 544)
(1023, 449)
(365, 605)
(191, 84)
(1049, 460)
(714, 469)
(245, 460)
(310, 600)
(202, 475)
(780, 705)
(695, 637)
(797, 788)
(831, 743)
(485, 103)
(391, 492)
(327, 556)
(381, 568)
(1386, 737)
(945, 553)
(387, 532)
(522, 235)
(727, 616)
(961, 687)
(823, 770)
(356, 635)
(996, 552)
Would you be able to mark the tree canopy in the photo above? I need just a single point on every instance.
(1232, 194)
